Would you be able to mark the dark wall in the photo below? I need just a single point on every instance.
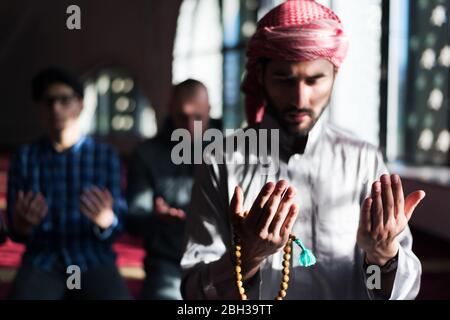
(432, 214)
(134, 35)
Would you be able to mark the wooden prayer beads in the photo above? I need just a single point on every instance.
(285, 271)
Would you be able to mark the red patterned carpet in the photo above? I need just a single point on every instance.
(130, 257)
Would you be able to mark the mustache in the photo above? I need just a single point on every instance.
(293, 109)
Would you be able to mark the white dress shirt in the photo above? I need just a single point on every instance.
(332, 176)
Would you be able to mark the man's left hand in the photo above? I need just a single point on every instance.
(384, 215)
(97, 205)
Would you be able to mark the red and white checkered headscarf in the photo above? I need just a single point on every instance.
(297, 30)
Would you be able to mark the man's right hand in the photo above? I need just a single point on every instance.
(28, 212)
(165, 212)
(266, 227)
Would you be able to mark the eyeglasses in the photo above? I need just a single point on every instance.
(64, 100)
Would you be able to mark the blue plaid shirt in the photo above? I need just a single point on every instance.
(66, 236)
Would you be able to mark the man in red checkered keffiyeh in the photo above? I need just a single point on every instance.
(327, 187)
(294, 31)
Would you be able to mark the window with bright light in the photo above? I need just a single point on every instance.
(113, 104)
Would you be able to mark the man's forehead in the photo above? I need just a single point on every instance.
(305, 68)
(197, 94)
(193, 103)
(59, 88)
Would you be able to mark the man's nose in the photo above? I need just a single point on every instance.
(56, 106)
(302, 93)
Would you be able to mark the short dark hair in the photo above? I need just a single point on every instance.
(53, 75)
(189, 84)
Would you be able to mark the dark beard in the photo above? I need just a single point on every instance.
(271, 110)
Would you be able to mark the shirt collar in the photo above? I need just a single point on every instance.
(75, 148)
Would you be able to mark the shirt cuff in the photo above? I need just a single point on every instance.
(220, 281)
(104, 234)
(407, 279)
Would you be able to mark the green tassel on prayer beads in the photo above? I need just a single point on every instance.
(307, 258)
